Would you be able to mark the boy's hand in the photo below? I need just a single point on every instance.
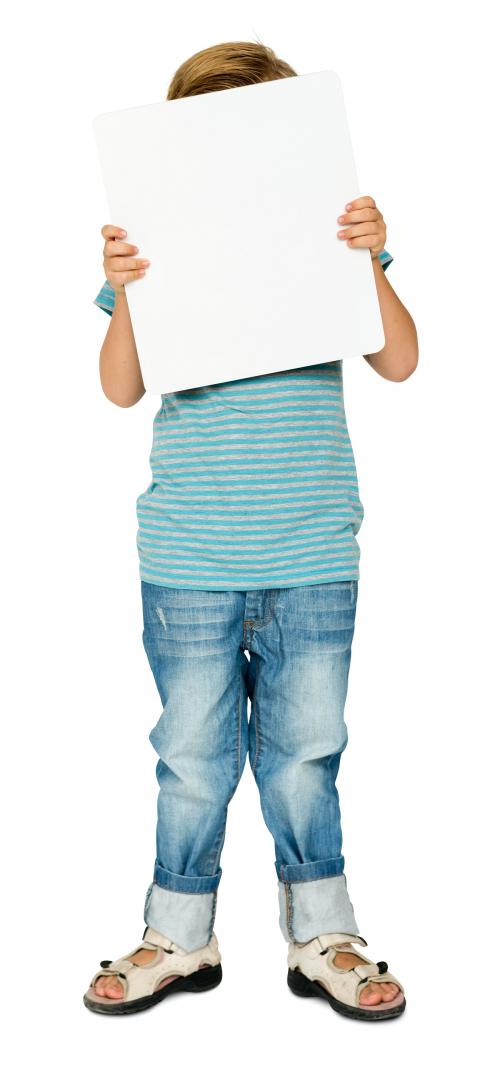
(365, 226)
(120, 265)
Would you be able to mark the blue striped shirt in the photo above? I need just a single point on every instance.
(254, 482)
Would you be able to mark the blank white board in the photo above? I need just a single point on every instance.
(234, 197)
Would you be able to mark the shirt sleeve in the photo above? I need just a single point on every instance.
(385, 258)
(105, 298)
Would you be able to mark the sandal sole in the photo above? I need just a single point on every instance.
(197, 982)
(306, 987)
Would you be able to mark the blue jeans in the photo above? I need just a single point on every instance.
(298, 641)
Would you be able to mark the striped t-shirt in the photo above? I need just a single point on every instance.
(254, 482)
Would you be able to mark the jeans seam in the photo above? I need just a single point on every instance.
(272, 598)
(257, 732)
(238, 747)
(190, 892)
(272, 604)
(314, 878)
(217, 848)
(289, 910)
(212, 914)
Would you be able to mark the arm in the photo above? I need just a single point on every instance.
(119, 368)
(398, 359)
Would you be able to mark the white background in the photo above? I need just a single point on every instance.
(418, 781)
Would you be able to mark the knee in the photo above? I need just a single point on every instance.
(287, 778)
(185, 769)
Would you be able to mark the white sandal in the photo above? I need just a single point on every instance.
(142, 982)
(313, 973)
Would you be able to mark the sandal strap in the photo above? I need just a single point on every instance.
(154, 939)
(327, 940)
(319, 965)
(366, 970)
(323, 942)
(142, 979)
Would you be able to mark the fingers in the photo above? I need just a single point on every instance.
(361, 201)
(114, 245)
(374, 243)
(124, 263)
(360, 215)
(121, 269)
(360, 230)
(364, 224)
(119, 248)
(113, 231)
(363, 236)
(121, 277)
(120, 263)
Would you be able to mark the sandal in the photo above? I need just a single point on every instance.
(142, 982)
(313, 973)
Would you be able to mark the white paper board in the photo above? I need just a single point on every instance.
(234, 197)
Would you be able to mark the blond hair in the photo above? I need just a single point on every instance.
(226, 66)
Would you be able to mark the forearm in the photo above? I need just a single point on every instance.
(398, 359)
(119, 368)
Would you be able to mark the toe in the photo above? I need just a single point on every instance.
(389, 990)
(114, 989)
(370, 995)
(108, 987)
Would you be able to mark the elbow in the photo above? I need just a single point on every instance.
(407, 363)
(121, 382)
(122, 400)
(406, 371)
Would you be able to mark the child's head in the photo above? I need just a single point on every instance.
(225, 66)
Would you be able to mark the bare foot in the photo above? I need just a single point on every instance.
(374, 992)
(110, 986)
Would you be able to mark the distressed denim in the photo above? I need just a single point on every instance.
(286, 651)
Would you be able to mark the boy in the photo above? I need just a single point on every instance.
(247, 543)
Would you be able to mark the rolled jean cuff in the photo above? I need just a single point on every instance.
(181, 883)
(305, 872)
(311, 907)
(186, 918)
